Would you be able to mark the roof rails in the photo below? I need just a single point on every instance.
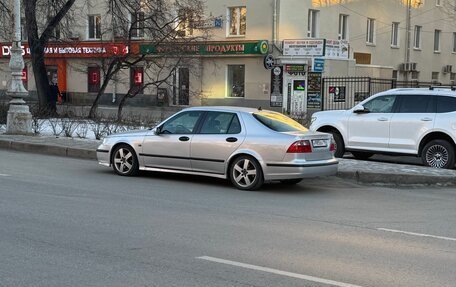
(453, 88)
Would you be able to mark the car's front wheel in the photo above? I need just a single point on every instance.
(246, 173)
(438, 154)
(124, 161)
(339, 144)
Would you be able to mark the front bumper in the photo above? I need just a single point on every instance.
(281, 171)
(103, 155)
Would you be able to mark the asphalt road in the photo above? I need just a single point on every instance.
(67, 222)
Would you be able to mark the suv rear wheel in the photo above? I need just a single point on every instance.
(438, 154)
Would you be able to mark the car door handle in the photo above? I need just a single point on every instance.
(231, 140)
(184, 139)
(383, 119)
(426, 119)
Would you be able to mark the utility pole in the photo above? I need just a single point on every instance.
(19, 119)
(408, 36)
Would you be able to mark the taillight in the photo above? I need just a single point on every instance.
(302, 146)
(332, 146)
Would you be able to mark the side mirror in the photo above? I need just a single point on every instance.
(157, 131)
(360, 110)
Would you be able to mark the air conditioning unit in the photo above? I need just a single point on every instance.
(407, 67)
(447, 68)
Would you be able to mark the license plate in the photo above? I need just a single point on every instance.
(319, 143)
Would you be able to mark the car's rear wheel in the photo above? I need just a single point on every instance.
(291, 181)
(124, 161)
(438, 154)
(362, 155)
(339, 144)
(246, 173)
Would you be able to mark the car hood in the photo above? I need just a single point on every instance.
(133, 133)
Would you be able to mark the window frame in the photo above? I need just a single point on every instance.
(343, 27)
(137, 31)
(206, 116)
(430, 105)
(196, 127)
(96, 29)
(417, 39)
(238, 11)
(370, 32)
(395, 36)
(437, 40)
(313, 28)
(437, 102)
(393, 107)
(228, 84)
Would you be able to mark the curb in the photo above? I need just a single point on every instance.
(49, 149)
(397, 179)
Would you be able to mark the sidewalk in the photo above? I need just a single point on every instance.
(372, 172)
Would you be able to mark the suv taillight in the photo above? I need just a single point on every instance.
(302, 146)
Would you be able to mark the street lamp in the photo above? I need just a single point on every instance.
(19, 119)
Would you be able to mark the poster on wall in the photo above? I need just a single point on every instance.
(297, 101)
(276, 87)
(337, 49)
(337, 93)
(314, 91)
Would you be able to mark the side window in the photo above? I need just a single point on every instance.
(219, 123)
(183, 123)
(446, 104)
(382, 104)
(416, 104)
(235, 126)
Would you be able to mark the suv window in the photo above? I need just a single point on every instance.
(183, 123)
(446, 104)
(278, 122)
(416, 104)
(382, 104)
(220, 123)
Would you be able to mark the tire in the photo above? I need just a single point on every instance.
(246, 173)
(124, 161)
(438, 154)
(340, 146)
(361, 155)
(291, 181)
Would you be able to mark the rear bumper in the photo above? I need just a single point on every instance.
(280, 171)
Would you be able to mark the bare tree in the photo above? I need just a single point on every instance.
(39, 38)
(159, 22)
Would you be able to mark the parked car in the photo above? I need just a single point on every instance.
(419, 122)
(248, 146)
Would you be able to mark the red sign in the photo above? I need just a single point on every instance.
(138, 77)
(24, 74)
(86, 50)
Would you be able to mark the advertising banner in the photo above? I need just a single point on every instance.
(304, 47)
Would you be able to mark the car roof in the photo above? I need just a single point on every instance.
(224, 109)
(434, 91)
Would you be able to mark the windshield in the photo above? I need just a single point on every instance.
(278, 122)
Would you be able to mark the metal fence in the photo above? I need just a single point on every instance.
(341, 93)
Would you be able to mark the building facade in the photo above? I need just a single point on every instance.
(269, 53)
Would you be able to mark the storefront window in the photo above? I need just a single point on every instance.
(93, 79)
(236, 80)
(136, 79)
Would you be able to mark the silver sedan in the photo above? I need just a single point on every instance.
(245, 145)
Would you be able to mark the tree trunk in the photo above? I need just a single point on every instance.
(111, 72)
(121, 104)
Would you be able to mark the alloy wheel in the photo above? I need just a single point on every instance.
(437, 156)
(244, 173)
(123, 160)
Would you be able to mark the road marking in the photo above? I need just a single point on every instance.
(417, 234)
(278, 272)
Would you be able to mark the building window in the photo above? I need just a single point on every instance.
(55, 34)
(94, 26)
(417, 39)
(395, 34)
(137, 25)
(438, 3)
(454, 42)
(236, 80)
(415, 75)
(435, 76)
(394, 75)
(93, 79)
(136, 80)
(24, 35)
(437, 40)
(343, 27)
(452, 77)
(312, 23)
(370, 33)
(186, 20)
(238, 21)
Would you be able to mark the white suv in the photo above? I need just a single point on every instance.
(420, 122)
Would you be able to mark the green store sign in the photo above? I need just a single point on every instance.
(226, 48)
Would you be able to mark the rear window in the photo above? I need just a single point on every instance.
(278, 122)
(446, 104)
